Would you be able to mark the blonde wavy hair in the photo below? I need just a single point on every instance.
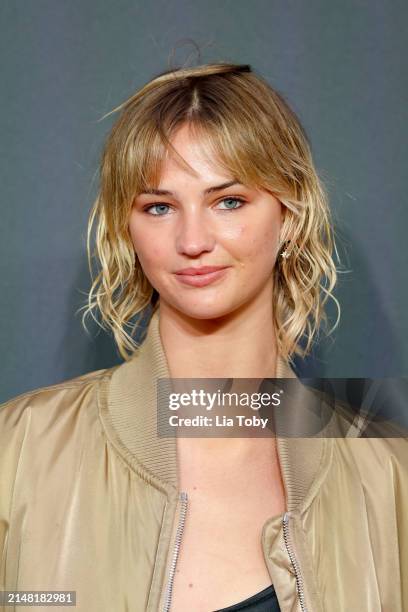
(254, 135)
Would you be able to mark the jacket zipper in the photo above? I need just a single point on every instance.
(182, 517)
(293, 560)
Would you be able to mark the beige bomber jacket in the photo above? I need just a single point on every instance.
(89, 502)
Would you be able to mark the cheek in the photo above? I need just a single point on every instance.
(234, 233)
(254, 243)
(150, 255)
(268, 243)
(147, 249)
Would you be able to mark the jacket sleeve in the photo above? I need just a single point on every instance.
(383, 467)
(14, 423)
(23, 422)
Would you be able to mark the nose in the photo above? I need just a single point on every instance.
(194, 234)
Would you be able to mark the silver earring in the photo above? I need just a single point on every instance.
(285, 254)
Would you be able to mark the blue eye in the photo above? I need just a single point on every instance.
(161, 208)
(154, 206)
(232, 200)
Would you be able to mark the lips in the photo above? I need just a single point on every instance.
(199, 271)
(200, 277)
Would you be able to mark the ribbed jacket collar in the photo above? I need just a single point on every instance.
(128, 409)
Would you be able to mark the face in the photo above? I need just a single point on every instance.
(198, 219)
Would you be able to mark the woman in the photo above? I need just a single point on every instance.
(210, 211)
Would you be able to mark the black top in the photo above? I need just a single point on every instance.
(264, 601)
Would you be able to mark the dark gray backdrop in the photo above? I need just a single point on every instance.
(341, 65)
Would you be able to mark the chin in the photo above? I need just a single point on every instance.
(203, 311)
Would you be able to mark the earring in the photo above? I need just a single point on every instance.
(285, 254)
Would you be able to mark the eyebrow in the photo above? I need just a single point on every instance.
(165, 192)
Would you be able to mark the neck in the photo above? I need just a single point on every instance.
(240, 345)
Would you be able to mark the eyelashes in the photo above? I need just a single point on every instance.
(240, 200)
(162, 205)
(148, 208)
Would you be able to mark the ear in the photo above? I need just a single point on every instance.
(283, 212)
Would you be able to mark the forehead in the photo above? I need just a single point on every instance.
(197, 156)
(190, 155)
